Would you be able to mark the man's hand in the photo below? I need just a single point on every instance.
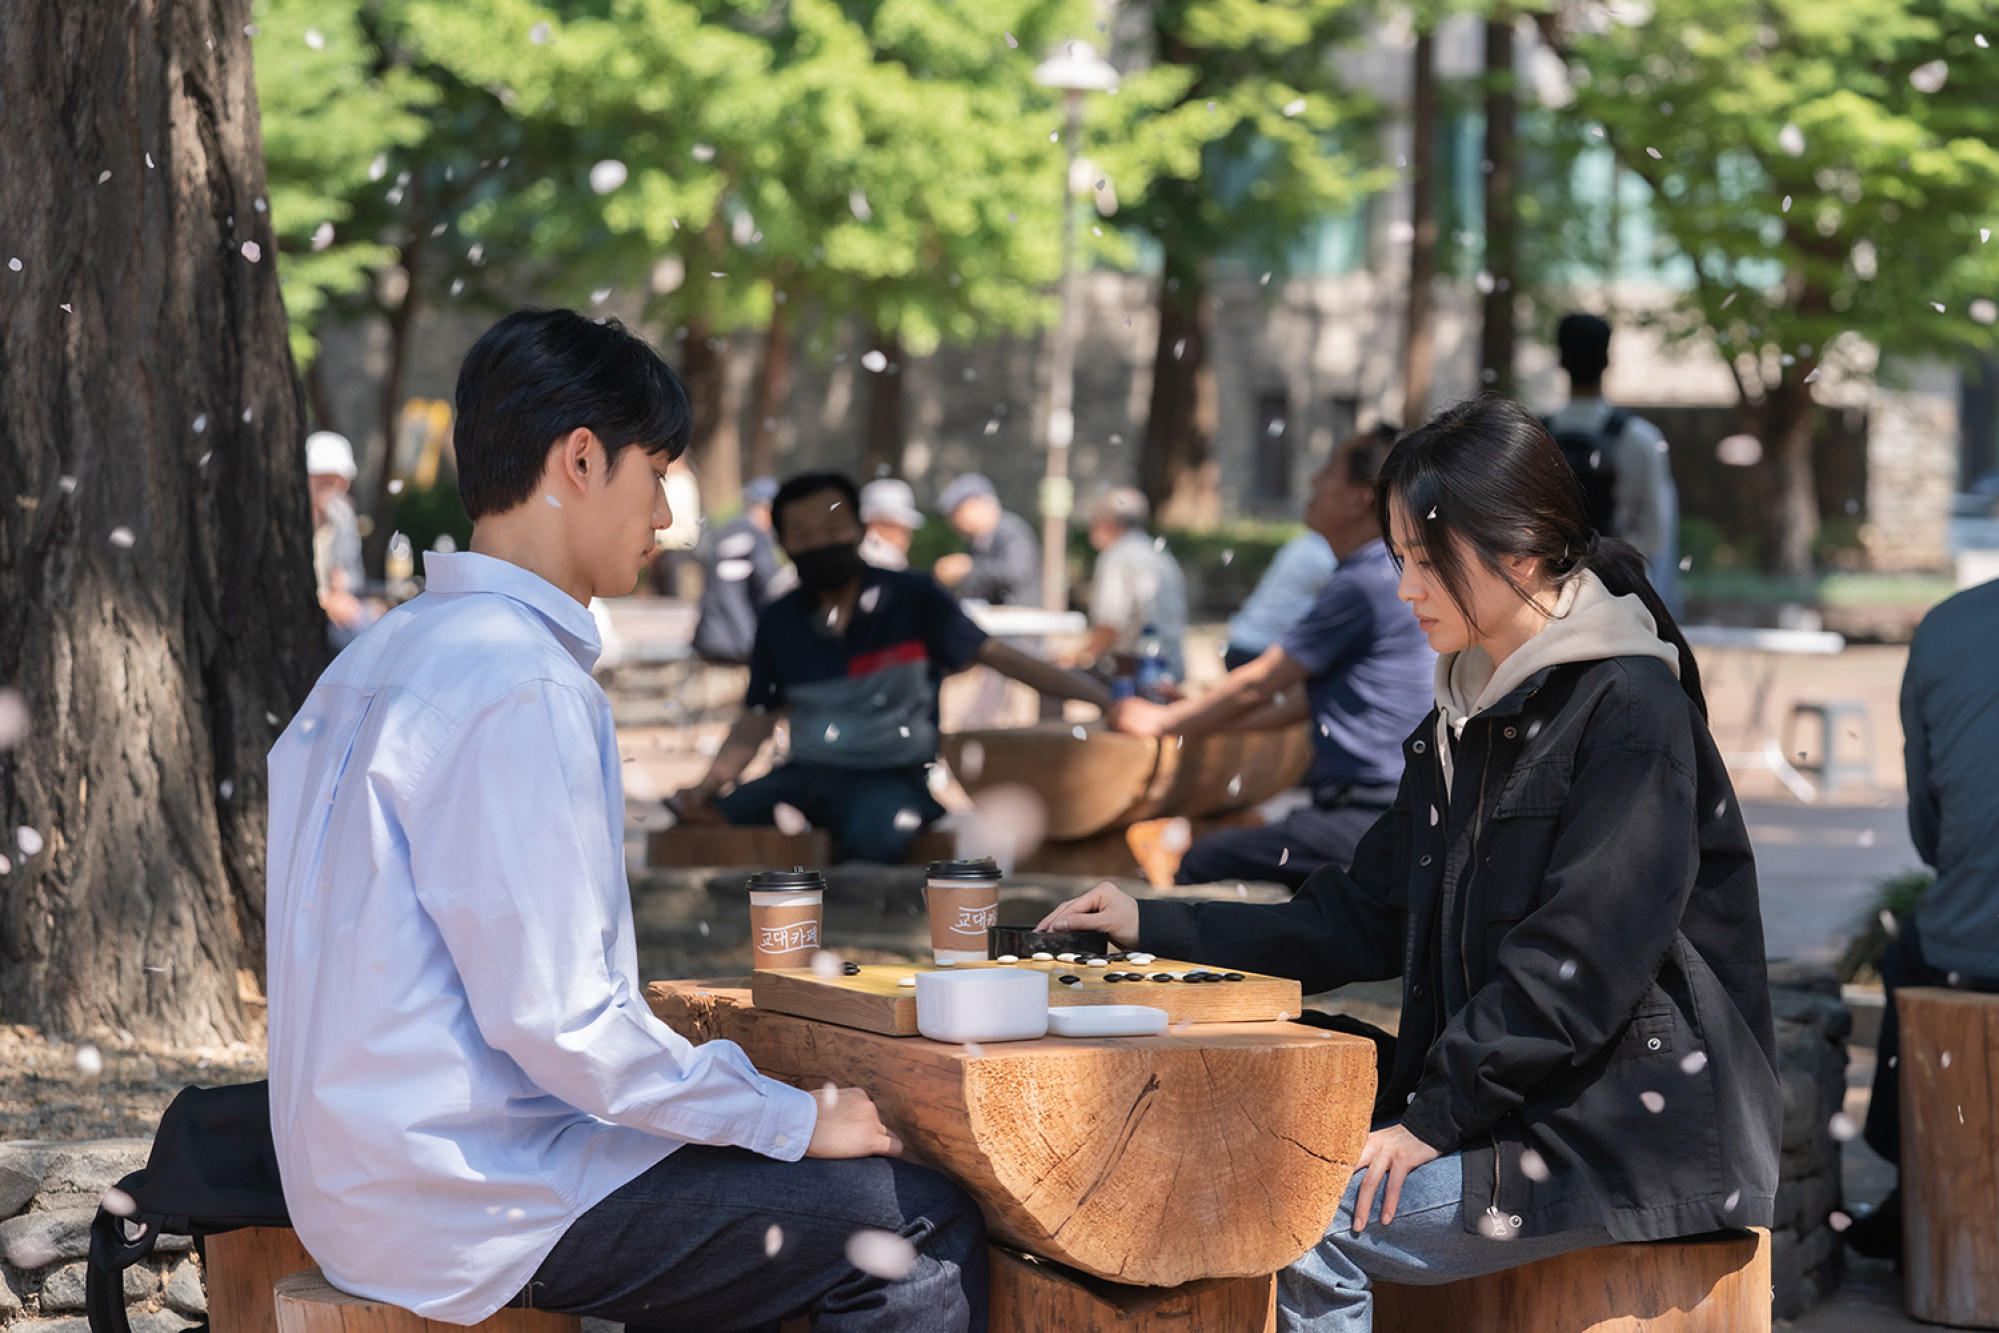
(694, 805)
(1106, 908)
(952, 569)
(1392, 1152)
(850, 1126)
(1139, 717)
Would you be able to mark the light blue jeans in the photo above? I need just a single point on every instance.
(1331, 1289)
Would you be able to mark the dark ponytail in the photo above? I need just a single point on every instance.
(1487, 471)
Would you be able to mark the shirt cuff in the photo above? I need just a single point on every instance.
(784, 1130)
(1166, 928)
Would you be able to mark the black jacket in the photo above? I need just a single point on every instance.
(1581, 952)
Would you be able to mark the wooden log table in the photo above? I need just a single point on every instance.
(1216, 1151)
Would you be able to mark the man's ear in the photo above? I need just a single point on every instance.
(573, 461)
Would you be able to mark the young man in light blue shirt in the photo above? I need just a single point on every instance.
(472, 1105)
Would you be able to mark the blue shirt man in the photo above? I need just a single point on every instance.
(1357, 667)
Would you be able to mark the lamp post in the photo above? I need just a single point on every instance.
(1077, 70)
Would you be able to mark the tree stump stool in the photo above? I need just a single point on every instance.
(1706, 1284)
(1950, 1154)
(308, 1303)
(1032, 1295)
(240, 1268)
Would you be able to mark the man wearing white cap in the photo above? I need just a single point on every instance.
(336, 537)
(888, 508)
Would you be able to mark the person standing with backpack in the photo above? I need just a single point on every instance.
(1619, 457)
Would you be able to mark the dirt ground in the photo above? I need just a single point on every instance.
(111, 1087)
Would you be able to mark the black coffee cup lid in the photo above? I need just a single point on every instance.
(797, 878)
(983, 868)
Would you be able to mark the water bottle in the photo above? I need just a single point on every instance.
(1152, 668)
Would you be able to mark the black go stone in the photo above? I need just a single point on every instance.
(1068, 980)
(1162, 976)
(851, 969)
(1232, 976)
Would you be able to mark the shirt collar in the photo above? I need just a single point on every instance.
(451, 573)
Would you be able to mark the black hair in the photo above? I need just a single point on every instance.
(539, 374)
(1584, 342)
(1487, 471)
(807, 484)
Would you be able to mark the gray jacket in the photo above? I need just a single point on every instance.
(1950, 724)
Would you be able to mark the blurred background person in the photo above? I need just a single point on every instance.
(336, 538)
(1136, 586)
(1282, 596)
(1003, 566)
(852, 660)
(1357, 666)
(888, 508)
(1620, 458)
(740, 562)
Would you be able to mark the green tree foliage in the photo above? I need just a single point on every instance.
(331, 110)
(1237, 140)
(1819, 169)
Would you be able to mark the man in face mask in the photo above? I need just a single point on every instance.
(852, 658)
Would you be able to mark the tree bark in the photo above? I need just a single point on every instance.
(887, 427)
(769, 394)
(1177, 468)
(1418, 350)
(714, 443)
(401, 321)
(1787, 431)
(157, 613)
(1498, 335)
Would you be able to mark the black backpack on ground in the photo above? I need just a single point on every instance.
(213, 1168)
(1592, 456)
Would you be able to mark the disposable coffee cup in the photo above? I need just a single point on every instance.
(963, 897)
(786, 909)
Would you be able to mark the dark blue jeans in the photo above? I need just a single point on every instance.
(1281, 853)
(686, 1246)
(858, 806)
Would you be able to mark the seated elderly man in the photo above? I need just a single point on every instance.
(852, 660)
(1136, 585)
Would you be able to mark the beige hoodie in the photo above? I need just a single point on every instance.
(1588, 625)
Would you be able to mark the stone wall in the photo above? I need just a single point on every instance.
(48, 1196)
(1806, 1258)
(1912, 456)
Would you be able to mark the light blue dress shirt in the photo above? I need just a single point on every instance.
(1289, 586)
(462, 1061)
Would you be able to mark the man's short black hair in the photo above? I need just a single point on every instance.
(811, 483)
(1584, 342)
(539, 374)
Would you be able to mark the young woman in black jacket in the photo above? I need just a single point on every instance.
(1564, 885)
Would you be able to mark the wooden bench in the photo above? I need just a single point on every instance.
(241, 1268)
(1950, 1154)
(1707, 1284)
(307, 1303)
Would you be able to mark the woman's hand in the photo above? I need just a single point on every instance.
(1106, 908)
(1391, 1153)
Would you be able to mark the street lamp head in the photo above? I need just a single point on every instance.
(1077, 69)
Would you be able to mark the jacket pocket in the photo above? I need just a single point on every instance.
(1540, 788)
(1650, 1032)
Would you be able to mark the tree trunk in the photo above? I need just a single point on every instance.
(401, 321)
(1787, 433)
(156, 592)
(769, 394)
(1418, 350)
(887, 429)
(1498, 335)
(714, 443)
(1177, 469)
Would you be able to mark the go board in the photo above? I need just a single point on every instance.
(874, 1000)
